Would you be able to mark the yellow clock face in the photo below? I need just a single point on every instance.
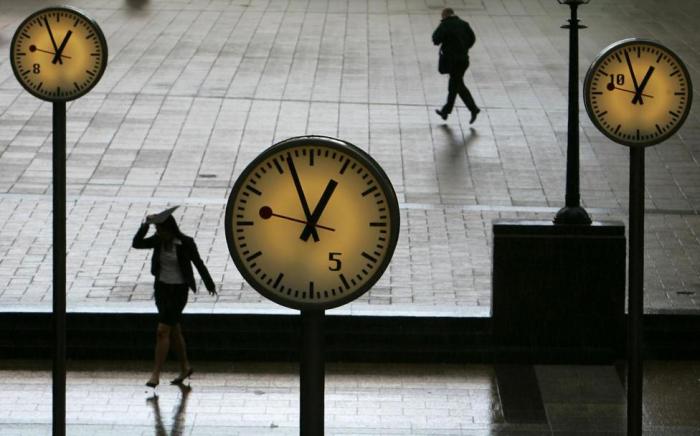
(638, 92)
(312, 222)
(58, 54)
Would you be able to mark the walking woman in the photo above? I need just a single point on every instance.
(171, 264)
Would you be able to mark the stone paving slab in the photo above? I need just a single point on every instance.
(194, 90)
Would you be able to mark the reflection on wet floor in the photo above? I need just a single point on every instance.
(105, 398)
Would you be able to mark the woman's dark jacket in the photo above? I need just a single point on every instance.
(187, 255)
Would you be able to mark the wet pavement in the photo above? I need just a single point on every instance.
(107, 398)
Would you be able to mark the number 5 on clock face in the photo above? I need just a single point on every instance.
(312, 222)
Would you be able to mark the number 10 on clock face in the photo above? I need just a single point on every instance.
(312, 222)
(637, 92)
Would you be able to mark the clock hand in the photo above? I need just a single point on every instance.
(266, 212)
(634, 78)
(53, 41)
(325, 197)
(612, 87)
(302, 197)
(638, 96)
(59, 52)
(32, 48)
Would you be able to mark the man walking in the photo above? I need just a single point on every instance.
(455, 38)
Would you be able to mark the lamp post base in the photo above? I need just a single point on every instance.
(575, 215)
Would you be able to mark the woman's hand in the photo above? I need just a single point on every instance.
(212, 290)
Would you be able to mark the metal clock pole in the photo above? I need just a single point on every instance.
(59, 85)
(572, 212)
(636, 292)
(59, 267)
(312, 374)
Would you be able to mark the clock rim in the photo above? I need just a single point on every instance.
(602, 55)
(98, 32)
(381, 178)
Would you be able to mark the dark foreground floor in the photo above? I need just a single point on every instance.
(108, 398)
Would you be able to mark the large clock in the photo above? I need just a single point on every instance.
(312, 222)
(637, 92)
(58, 53)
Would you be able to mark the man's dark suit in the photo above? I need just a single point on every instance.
(455, 38)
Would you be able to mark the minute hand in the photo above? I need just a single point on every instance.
(634, 78)
(638, 95)
(53, 41)
(302, 197)
(325, 197)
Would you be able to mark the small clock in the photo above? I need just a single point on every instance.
(637, 92)
(312, 222)
(58, 54)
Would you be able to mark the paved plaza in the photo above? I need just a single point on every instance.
(106, 399)
(195, 89)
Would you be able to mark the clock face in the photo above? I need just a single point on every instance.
(312, 222)
(637, 92)
(58, 54)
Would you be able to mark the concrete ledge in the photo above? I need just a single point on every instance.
(270, 337)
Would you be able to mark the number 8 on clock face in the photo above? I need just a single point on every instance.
(58, 54)
(312, 222)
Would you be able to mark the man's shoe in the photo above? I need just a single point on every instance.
(474, 114)
(442, 114)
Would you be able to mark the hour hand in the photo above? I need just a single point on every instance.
(638, 95)
(302, 197)
(311, 224)
(59, 52)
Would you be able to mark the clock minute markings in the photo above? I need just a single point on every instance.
(344, 280)
(345, 166)
(254, 256)
(278, 280)
(369, 191)
(369, 257)
(278, 166)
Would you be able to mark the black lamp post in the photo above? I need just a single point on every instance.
(573, 213)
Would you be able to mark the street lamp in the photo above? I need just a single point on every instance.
(572, 212)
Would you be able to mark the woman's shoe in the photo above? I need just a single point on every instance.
(151, 384)
(180, 379)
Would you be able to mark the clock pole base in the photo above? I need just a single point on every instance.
(572, 215)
